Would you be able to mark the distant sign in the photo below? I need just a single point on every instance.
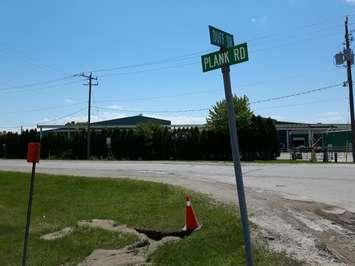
(231, 56)
(221, 38)
(108, 141)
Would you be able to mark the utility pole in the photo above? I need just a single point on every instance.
(349, 58)
(89, 78)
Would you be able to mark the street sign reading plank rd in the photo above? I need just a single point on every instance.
(231, 56)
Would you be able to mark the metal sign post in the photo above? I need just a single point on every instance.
(227, 56)
(33, 152)
(237, 167)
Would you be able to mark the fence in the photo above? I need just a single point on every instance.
(329, 154)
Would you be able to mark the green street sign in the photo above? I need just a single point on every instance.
(221, 38)
(231, 56)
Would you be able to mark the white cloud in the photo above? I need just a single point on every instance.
(330, 117)
(350, 1)
(114, 106)
(278, 117)
(260, 21)
(184, 120)
(68, 100)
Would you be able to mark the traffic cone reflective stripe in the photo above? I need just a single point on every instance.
(191, 222)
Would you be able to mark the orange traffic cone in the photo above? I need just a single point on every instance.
(191, 223)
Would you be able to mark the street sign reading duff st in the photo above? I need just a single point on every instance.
(231, 56)
(221, 38)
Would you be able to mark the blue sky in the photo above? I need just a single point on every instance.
(154, 48)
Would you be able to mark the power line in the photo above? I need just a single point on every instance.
(46, 122)
(198, 62)
(206, 109)
(186, 56)
(163, 61)
(43, 109)
(157, 62)
(288, 43)
(32, 86)
(283, 34)
(302, 104)
(37, 83)
(27, 59)
(289, 77)
(152, 111)
(291, 42)
(26, 87)
(297, 94)
(65, 116)
(31, 89)
(190, 57)
(151, 70)
(246, 85)
(197, 93)
(159, 97)
(190, 110)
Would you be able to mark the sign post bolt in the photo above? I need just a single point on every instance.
(33, 154)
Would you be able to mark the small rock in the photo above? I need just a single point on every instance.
(270, 238)
(58, 234)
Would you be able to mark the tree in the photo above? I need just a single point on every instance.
(217, 118)
(149, 139)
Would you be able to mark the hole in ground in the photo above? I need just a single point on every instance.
(157, 235)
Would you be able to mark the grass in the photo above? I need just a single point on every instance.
(61, 201)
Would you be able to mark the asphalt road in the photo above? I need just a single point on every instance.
(326, 183)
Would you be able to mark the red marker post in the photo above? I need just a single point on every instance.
(33, 155)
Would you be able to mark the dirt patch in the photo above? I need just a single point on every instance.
(104, 257)
(334, 210)
(345, 219)
(136, 254)
(316, 233)
(110, 225)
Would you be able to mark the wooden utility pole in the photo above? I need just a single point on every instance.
(90, 78)
(348, 56)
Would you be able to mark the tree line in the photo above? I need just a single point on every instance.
(149, 142)
(258, 140)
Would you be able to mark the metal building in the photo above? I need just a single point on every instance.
(304, 135)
